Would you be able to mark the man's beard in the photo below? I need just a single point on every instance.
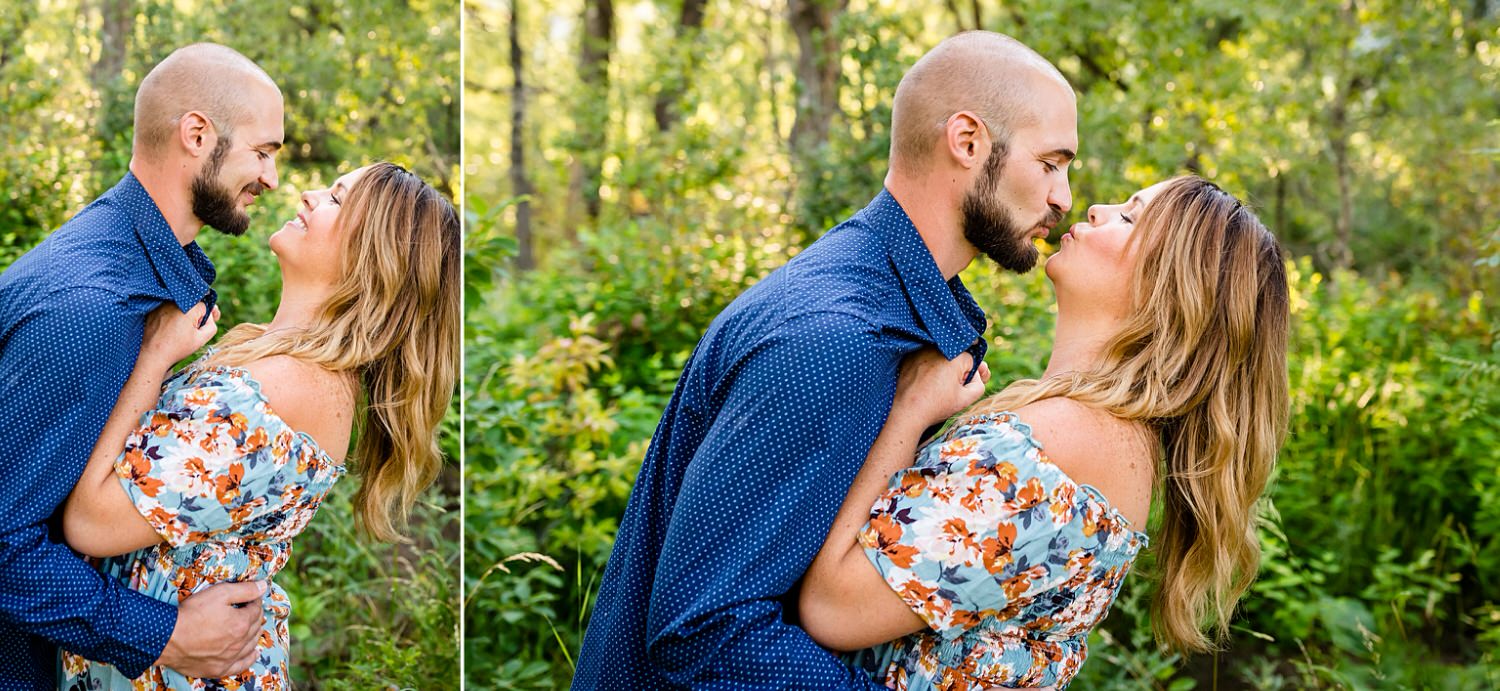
(213, 204)
(991, 228)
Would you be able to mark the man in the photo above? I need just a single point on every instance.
(208, 124)
(784, 395)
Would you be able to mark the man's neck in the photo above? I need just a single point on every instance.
(934, 211)
(170, 199)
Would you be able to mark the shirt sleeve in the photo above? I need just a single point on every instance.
(67, 361)
(799, 414)
(978, 528)
(208, 463)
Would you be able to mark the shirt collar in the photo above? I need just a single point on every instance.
(184, 271)
(945, 308)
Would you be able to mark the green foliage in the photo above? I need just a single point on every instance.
(362, 81)
(1380, 533)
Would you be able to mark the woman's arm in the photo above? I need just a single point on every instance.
(844, 603)
(99, 519)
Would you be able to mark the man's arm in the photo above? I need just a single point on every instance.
(799, 414)
(60, 370)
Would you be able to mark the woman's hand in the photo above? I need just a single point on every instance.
(171, 335)
(845, 604)
(931, 388)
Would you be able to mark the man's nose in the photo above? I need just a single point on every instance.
(269, 178)
(1061, 196)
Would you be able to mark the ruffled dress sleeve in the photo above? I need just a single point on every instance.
(984, 529)
(213, 463)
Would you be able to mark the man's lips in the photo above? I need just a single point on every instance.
(252, 190)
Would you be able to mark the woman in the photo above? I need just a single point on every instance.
(990, 561)
(208, 478)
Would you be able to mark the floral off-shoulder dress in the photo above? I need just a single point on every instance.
(1009, 561)
(227, 484)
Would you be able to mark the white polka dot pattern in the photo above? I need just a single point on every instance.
(72, 311)
(769, 423)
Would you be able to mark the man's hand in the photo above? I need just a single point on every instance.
(214, 638)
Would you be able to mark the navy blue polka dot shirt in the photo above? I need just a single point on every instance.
(767, 427)
(72, 313)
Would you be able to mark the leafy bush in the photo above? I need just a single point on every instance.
(1380, 538)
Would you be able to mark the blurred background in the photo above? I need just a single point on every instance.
(632, 166)
(363, 81)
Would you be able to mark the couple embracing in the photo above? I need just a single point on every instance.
(147, 511)
(793, 526)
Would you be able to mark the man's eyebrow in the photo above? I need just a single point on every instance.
(1065, 154)
(273, 146)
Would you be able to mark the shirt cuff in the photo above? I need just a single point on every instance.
(146, 626)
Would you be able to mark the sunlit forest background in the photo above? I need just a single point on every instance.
(363, 81)
(632, 166)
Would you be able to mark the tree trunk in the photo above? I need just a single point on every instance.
(689, 23)
(106, 73)
(593, 111)
(1279, 212)
(520, 185)
(1340, 253)
(817, 70)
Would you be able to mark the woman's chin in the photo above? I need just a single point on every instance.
(1050, 268)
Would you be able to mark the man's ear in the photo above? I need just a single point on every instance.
(196, 134)
(964, 137)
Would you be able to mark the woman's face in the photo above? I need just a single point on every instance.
(1094, 262)
(309, 245)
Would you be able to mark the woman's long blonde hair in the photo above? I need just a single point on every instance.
(393, 321)
(1200, 361)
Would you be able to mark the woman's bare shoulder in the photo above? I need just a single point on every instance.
(1096, 448)
(309, 398)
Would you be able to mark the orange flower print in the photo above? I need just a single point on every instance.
(996, 550)
(199, 398)
(238, 423)
(912, 484)
(956, 531)
(227, 486)
(1030, 494)
(256, 441)
(958, 449)
(1017, 585)
(243, 511)
(923, 598)
(138, 472)
(884, 535)
(160, 425)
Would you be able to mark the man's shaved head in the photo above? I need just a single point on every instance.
(990, 74)
(204, 77)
